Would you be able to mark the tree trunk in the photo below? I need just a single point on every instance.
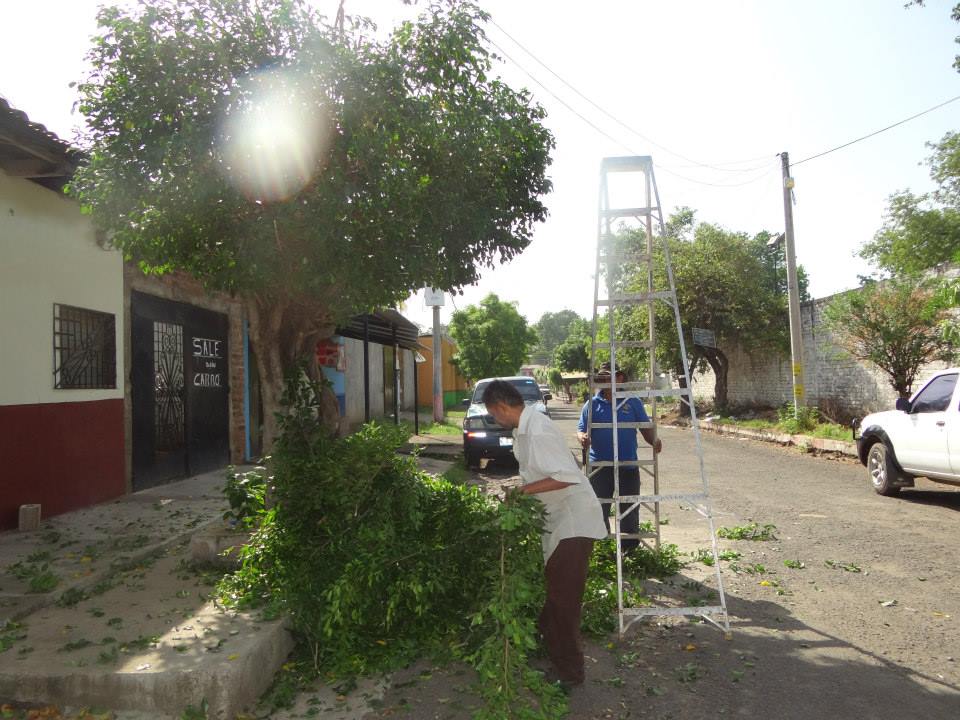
(284, 335)
(684, 409)
(719, 364)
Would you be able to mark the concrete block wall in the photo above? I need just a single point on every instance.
(833, 380)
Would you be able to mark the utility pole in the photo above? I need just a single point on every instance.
(434, 298)
(793, 288)
(437, 368)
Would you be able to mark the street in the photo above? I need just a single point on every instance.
(866, 627)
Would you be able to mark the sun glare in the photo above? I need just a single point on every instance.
(272, 139)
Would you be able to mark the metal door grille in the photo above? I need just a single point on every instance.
(168, 386)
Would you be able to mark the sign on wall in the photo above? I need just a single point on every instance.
(209, 364)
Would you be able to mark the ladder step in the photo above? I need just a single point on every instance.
(624, 425)
(622, 258)
(647, 344)
(669, 392)
(621, 463)
(636, 298)
(682, 497)
(628, 212)
(635, 385)
(655, 611)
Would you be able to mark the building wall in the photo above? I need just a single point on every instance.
(182, 288)
(61, 448)
(407, 371)
(354, 381)
(454, 385)
(832, 379)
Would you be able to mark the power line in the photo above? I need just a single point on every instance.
(876, 132)
(615, 118)
(564, 102)
(610, 137)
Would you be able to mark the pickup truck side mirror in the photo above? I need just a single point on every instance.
(903, 405)
(465, 402)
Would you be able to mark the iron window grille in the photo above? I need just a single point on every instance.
(84, 349)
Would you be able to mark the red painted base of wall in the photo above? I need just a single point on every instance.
(62, 455)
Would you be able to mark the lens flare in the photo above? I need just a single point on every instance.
(273, 135)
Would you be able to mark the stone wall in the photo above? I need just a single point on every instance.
(833, 380)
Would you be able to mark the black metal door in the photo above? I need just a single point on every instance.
(208, 418)
(178, 390)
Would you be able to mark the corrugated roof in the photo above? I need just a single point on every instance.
(29, 150)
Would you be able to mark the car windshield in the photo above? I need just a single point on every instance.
(527, 387)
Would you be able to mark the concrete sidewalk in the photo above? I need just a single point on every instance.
(74, 552)
(122, 619)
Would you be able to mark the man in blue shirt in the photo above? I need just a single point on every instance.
(600, 442)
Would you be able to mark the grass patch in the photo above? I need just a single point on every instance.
(789, 426)
(457, 474)
(753, 531)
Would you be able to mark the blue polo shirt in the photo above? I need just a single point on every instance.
(601, 439)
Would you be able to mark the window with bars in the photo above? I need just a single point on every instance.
(84, 349)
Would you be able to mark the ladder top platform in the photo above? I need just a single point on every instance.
(627, 163)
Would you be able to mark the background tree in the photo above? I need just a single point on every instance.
(896, 325)
(493, 339)
(553, 328)
(726, 282)
(574, 352)
(311, 170)
(922, 231)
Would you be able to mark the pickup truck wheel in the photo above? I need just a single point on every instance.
(883, 475)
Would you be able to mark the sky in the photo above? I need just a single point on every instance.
(697, 82)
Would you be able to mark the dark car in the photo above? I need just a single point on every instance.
(482, 436)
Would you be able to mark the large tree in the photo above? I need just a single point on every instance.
(493, 338)
(726, 282)
(896, 325)
(309, 168)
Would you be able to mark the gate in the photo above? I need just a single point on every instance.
(179, 389)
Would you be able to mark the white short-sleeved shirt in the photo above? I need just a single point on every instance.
(542, 452)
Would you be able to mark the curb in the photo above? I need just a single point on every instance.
(802, 441)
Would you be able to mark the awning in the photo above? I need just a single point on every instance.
(381, 325)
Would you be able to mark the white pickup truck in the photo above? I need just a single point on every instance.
(920, 438)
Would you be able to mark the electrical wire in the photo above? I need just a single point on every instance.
(876, 132)
(695, 163)
(564, 102)
(610, 137)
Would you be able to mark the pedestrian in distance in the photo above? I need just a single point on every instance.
(550, 473)
(600, 443)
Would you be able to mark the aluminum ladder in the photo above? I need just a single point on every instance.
(626, 261)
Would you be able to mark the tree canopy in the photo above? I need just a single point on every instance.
(922, 231)
(573, 353)
(308, 167)
(895, 324)
(727, 282)
(493, 338)
(553, 328)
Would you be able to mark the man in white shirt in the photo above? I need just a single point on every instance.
(573, 521)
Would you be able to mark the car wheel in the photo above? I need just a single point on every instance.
(471, 459)
(883, 475)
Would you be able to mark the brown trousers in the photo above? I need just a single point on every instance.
(559, 623)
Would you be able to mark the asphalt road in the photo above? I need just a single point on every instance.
(869, 627)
